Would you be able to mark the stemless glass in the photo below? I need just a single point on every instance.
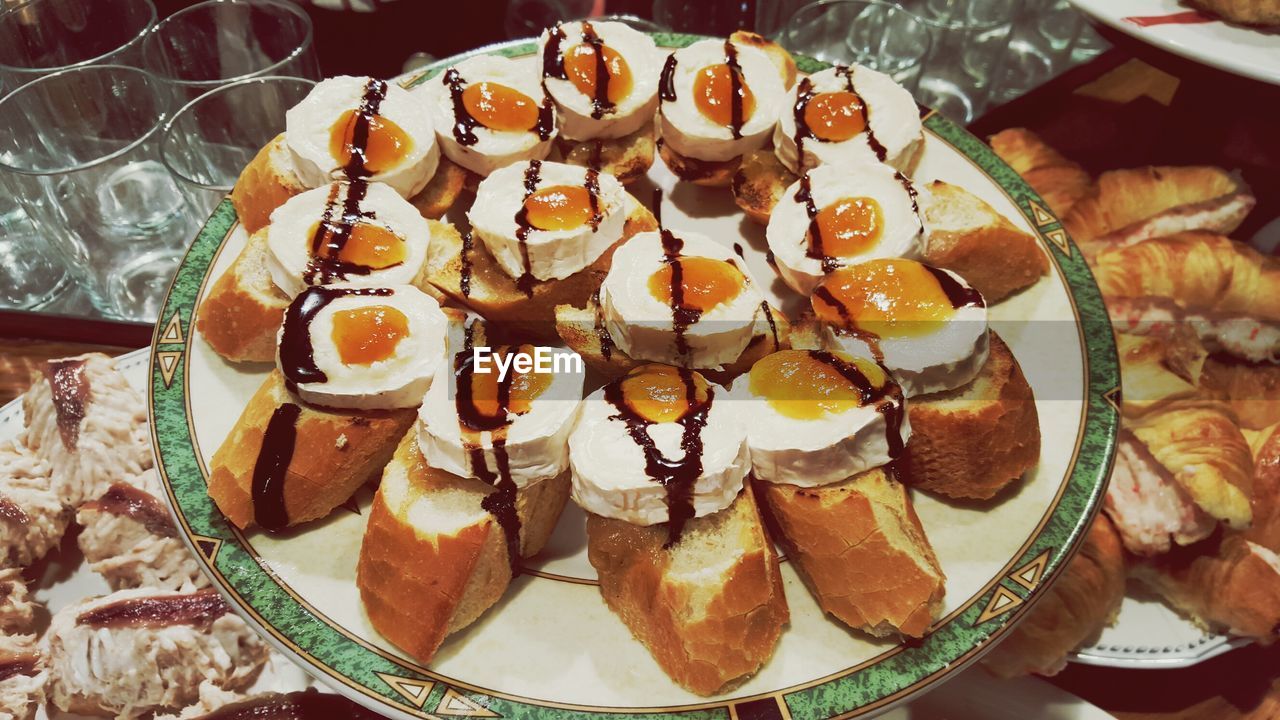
(221, 41)
(1039, 47)
(970, 40)
(81, 155)
(212, 138)
(879, 35)
(43, 36)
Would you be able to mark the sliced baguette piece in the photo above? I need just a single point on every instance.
(974, 441)
(335, 452)
(707, 173)
(710, 608)
(627, 158)
(583, 330)
(269, 180)
(859, 546)
(243, 310)
(433, 559)
(759, 184)
(494, 294)
(968, 236)
(782, 60)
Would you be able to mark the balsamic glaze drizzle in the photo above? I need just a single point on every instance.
(375, 91)
(676, 476)
(592, 184)
(959, 295)
(297, 359)
(735, 89)
(887, 398)
(464, 274)
(915, 197)
(657, 205)
(667, 81)
(602, 331)
(500, 504)
(552, 58)
(773, 325)
(532, 175)
(332, 234)
(682, 316)
(814, 248)
(847, 324)
(804, 94)
(464, 125)
(601, 105)
(872, 140)
(270, 469)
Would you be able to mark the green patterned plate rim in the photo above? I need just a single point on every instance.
(398, 687)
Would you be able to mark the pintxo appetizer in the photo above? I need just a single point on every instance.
(719, 100)
(659, 458)
(350, 128)
(354, 363)
(490, 112)
(825, 429)
(32, 517)
(354, 232)
(543, 234)
(477, 486)
(974, 420)
(602, 77)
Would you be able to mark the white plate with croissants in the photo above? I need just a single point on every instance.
(631, 374)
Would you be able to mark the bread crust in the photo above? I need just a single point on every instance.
(1059, 181)
(706, 173)
(1252, 391)
(759, 183)
(419, 585)
(781, 59)
(264, 185)
(968, 236)
(1263, 13)
(335, 452)
(861, 550)
(626, 158)
(705, 633)
(974, 441)
(495, 295)
(243, 310)
(1082, 601)
(582, 329)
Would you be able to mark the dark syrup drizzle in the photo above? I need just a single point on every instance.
(552, 58)
(375, 91)
(602, 331)
(667, 81)
(915, 197)
(531, 177)
(464, 125)
(959, 295)
(464, 275)
(297, 360)
(682, 316)
(592, 184)
(815, 244)
(676, 476)
(270, 469)
(847, 325)
(887, 398)
(600, 103)
(333, 234)
(804, 93)
(872, 140)
(735, 89)
(773, 325)
(500, 504)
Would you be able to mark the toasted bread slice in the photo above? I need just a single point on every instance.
(710, 608)
(495, 295)
(781, 59)
(707, 173)
(860, 548)
(759, 183)
(974, 441)
(583, 330)
(269, 180)
(334, 453)
(433, 559)
(968, 236)
(243, 310)
(627, 158)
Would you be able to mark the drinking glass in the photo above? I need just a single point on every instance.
(879, 35)
(212, 138)
(706, 17)
(970, 40)
(81, 155)
(43, 36)
(1039, 47)
(221, 41)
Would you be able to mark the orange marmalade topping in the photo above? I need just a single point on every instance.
(366, 335)
(889, 298)
(706, 282)
(523, 387)
(580, 64)
(368, 244)
(800, 385)
(561, 207)
(658, 394)
(499, 107)
(835, 116)
(713, 95)
(385, 144)
(849, 226)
